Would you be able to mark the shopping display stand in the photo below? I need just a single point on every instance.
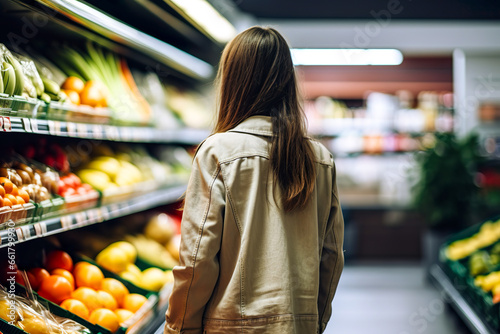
(475, 322)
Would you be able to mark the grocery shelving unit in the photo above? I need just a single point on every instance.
(186, 136)
(469, 315)
(78, 21)
(91, 216)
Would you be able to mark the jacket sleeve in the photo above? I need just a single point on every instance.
(332, 257)
(201, 230)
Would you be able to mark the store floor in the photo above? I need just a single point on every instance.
(390, 299)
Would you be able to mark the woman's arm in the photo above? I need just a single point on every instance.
(332, 258)
(202, 221)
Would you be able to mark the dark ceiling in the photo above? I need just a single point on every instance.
(368, 9)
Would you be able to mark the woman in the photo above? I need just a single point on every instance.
(262, 229)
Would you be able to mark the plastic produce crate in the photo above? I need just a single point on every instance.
(24, 107)
(5, 104)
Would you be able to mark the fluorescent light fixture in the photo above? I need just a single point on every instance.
(318, 57)
(201, 13)
(117, 31)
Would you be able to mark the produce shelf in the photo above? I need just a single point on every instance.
(469, 315)
(186, 136)
(91, 216)
(113, 29)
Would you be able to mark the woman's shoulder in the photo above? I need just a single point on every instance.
(323, 155)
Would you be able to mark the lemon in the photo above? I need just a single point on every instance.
(153, 279)
(113, 259)
(127, 248)
(131, 277)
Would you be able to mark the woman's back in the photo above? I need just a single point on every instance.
(269, 260)
(262, 229)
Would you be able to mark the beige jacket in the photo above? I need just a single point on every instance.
(245, 265)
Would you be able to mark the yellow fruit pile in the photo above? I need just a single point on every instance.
(488, 234)
(120, 257)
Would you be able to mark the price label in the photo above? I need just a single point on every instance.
(97, 131)
(26, 231)
(81, 219)
(81, 129)
(19, 234)
(66, 222)
(26, 124)
(1, 122)
(7, 126)
(71, 127)
(34, 125)
(38, 229)
(103, 214)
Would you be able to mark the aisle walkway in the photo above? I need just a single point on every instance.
(390, 299)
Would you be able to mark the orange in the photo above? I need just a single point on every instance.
(74, 84)
(77, 307)
(64, 273)
(92, 94)
(115, 288)
(58, 259)
(2, 191)
(11, 198)
(90, 276)
(133, 302)
(55, 288)
(20, 200)
(7, 202)
(24, 194)
(73, 96)
(15, 190)
(106, 300)
(87, 296)
(1, 201)
(105, 318)
(123, 314)
(6, 184)
(79, 265)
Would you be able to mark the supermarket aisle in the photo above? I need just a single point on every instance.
(390, 299)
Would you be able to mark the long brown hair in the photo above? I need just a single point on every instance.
(256, 77)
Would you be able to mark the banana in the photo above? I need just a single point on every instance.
(1, 81)
(50, 86)
(9, 78)
(45, 97)
(18, 69)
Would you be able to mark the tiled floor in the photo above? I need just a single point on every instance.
(390, 299)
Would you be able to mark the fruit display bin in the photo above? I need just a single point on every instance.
(23, 213)
(7, 328)
(80, 202)
(458, 271)
(24, 107)
(115, 194)
(49, 208)
(5, 104)
(5, 214)
(70, 112)
(59, 311)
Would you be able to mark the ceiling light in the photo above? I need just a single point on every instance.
(201, 14)
(318, 57)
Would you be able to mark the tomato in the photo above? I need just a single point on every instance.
(55, 288)
(58, 259)
(39, 274)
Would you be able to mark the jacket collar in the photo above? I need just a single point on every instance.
(258, 125)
